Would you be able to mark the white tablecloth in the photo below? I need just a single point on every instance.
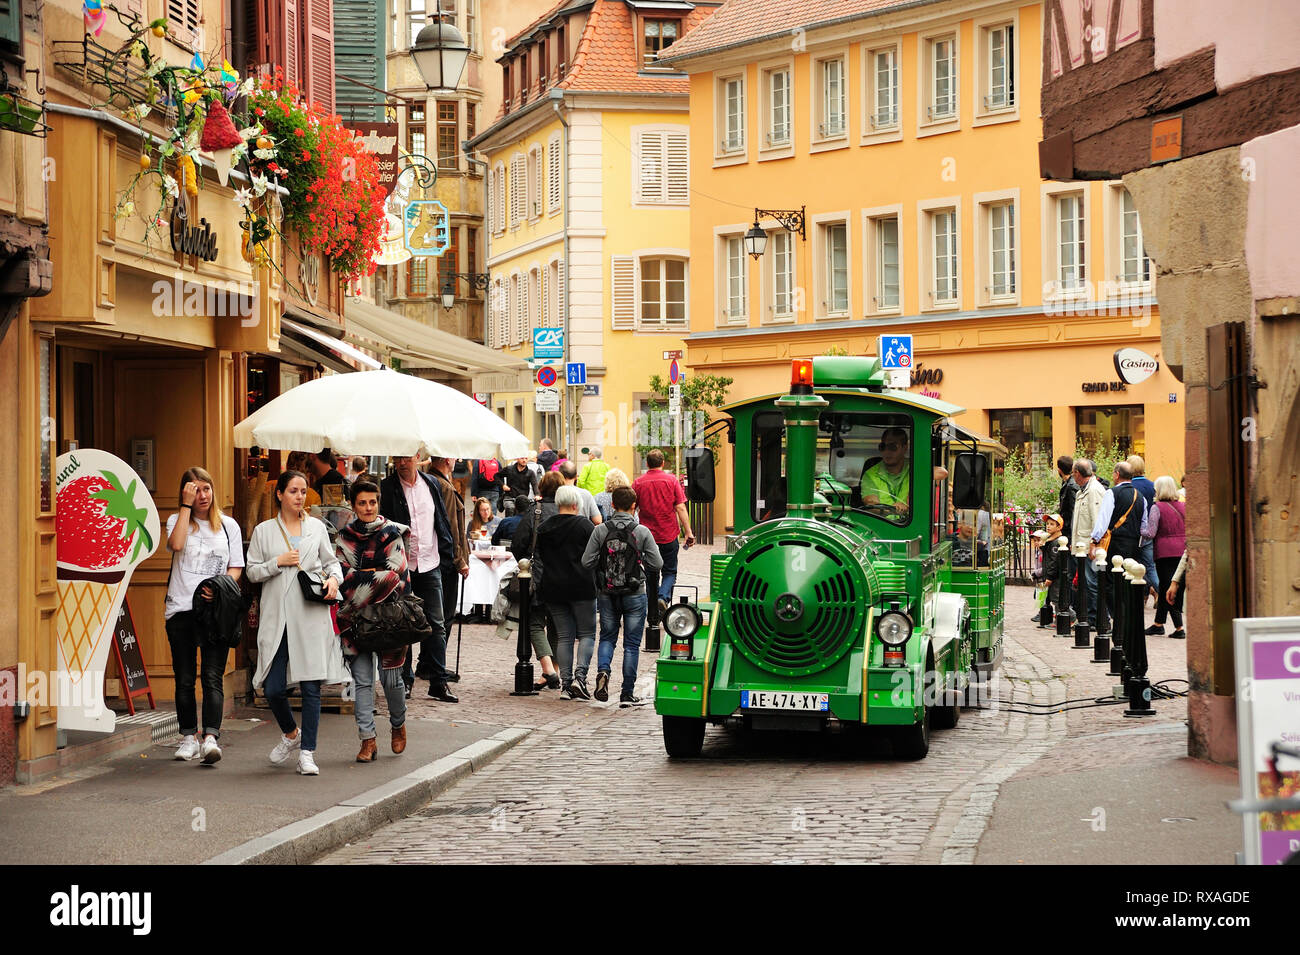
(486, 568)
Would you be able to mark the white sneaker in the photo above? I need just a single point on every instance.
(284, 748)
(307, 763)
(211, 751)
(188, 749)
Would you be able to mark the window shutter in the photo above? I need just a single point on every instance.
(678, 177)
(526, 324)
(359, 51)
(559, 294)
(11, 23)
(317, 26)
(491, 199)
(650, 159)
(182, 16)
(545, 280)
(286, 52)
(553, 180)
(623, 313)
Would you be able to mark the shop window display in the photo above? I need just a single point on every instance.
(1027, 430)
(1122, 427)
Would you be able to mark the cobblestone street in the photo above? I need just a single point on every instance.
(592, 783)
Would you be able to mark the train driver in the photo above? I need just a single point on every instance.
(888, 482)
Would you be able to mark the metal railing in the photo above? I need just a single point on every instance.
(701, 521)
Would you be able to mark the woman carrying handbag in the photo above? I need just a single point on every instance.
(372, 550)
(291, 556)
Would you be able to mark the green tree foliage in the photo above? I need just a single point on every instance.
(701, 395)
(1037, 491)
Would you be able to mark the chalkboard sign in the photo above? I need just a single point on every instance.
(130, 662)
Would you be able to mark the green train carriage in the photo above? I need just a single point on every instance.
(864, 584)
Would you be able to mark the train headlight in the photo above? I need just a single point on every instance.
(681, 621)
(894, 628)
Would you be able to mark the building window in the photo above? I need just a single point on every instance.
(781, 276)
(663, 294)
(471, 120)
(943, 256)
(1000, 78)
(184, 17)
(415, 141)
(830, 76)
(448, 261)
(659, 34)
(448, 140)
(1134, 266)
(562, 52)
(885, 243)
(883, 94)
(499, 200)
(663, 165)
(507, 87)
(1002, 250)
(1071, 248)
(417, 276)
(732, 120)
(534, 198)
(416, 17)
(471, 252)
(778, 108)
(534, 299)
(554, 294)
(1123, 427)
(543, 65)
(516, 310)
(941, 66)
(835, 243)
(735, 281)
(471, 25)
(518, 190)
(554, 184)
(1027, 431)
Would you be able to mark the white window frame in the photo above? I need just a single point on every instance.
(821, 293)
(871, 264)
(722, 237)
(986, 114)
(555, 172)
(664, 191)
(729, 150)
(767, 148)
(518, 197)
(555, 293)
(768, 314)
(1113, 225)
(664, 255)
(535, 175)
(499, 225)
(534, 302)
(819, 138)
(871, 132)
(927, 124)
(983, 246)
(926, 211)
(1051, 242)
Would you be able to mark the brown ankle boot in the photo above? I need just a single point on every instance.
(399, 739)
(368, 751)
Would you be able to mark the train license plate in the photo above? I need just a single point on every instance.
(771, 700)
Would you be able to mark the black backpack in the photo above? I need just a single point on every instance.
(618, 568)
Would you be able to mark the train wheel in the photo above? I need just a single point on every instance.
(948, 711)
(683, 736)
(913, 742)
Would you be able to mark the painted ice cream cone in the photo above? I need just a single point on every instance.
(221, 139)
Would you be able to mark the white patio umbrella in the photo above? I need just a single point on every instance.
(380, 412)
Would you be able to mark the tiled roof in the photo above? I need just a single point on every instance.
(608, 56)
(739, 22)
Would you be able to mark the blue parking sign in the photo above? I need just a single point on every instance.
(548, 343)
(575, 372)
(895, 351)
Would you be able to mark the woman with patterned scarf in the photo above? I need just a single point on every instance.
(372, 551)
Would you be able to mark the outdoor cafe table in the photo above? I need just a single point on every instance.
(487, 567)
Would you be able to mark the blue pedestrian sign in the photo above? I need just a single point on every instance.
(575, 372)
(548, 343)
(895, 351)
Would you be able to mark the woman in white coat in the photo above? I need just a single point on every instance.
(296, 642)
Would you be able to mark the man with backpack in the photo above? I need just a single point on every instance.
(620, 551)
(487, 482)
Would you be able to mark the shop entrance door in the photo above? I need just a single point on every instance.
(80, 399)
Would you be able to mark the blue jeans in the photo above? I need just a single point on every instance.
(629, 610)
(668, 573)
(1089, 612)
(363, 679)
(1147, 555)
(427, 585)
(574, 621)
(277, 697)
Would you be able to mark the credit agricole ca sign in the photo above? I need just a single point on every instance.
(1133, 365)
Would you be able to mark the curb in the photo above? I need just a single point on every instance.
(300, 842)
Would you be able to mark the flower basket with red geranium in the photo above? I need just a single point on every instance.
(335, 201)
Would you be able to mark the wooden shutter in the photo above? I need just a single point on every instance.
(545, 281)
(359, 53)
(677, 174)
(559, 295)
(317, 27)
(287, 42)
(553, 182)
(182, 16)
(650, 166)
(526, 324)
(11, 24)
(623, 291)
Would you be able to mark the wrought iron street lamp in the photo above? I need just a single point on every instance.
(791, 220)
(440, 52)
(476, 280)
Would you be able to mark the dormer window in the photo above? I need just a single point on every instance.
(658, 34)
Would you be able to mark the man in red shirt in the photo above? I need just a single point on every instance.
(662, 506)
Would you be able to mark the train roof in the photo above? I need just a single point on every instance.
(936, 407)
(858, 375)
(955, 431)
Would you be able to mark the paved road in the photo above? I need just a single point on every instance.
(593, 784)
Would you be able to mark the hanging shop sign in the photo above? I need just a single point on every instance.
(191, 240)
(427, 224)
(381, 140)
(1133, 365)
(309, 276)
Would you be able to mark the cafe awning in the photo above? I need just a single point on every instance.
(417, 345)
(320, 340)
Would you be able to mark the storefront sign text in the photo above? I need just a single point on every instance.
(1094, 386)
(309, 276)
(926, 376)
(1133, 365)
(380, 139)
(192, 240)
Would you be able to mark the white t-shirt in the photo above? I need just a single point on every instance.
(207, 553)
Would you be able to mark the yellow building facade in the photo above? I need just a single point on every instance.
(589, 210)
(908, 139)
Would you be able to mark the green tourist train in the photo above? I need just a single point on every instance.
(863, 587)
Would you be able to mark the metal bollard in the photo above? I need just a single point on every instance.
(1117, 614)
(1063, 589)
(1139, 687)
(1101, 640)
(524, 648)
(1082, 631)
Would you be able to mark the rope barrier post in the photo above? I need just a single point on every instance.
(524, 648)
(1139, 688)
(1082, 632)
(1101, 640)
(1117, 631)
(1062, 585)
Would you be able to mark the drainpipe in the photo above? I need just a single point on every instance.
(557, 100)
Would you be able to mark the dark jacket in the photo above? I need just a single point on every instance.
(481, 485)
(1065, 506)
(547, 458)
(519, 481)
(1147, 487)
(1124, 539)
(1051, 558)
(217, 622)
(392, 504)
(506, 530)
(521, 545)
(560, 542)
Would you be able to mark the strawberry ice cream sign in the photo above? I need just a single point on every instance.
(105, 525)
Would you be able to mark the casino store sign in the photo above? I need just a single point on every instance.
(1134, 366)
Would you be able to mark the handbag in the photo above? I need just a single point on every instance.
(390, 624)
(1104, 543)
(311, 585)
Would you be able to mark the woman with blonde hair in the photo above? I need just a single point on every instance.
(614, 479)
(203, 543)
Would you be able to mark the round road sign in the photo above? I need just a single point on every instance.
(674, 372)
(904, 360)
(546, 376)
